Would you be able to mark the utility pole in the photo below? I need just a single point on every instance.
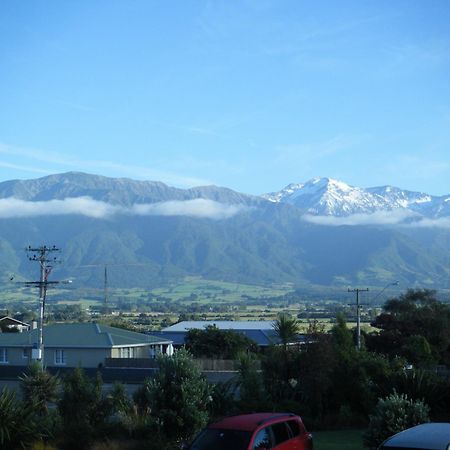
(358, 316)
(106, 285)
(41, 255)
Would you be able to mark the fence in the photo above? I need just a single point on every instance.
(211, 365)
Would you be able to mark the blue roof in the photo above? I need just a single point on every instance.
(261, 337)
(222, 325)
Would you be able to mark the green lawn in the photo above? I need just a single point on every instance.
(338, 440)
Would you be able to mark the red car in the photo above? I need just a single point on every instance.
(260, 431)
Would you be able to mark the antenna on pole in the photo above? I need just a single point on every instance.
(358, 316)
(42, 256)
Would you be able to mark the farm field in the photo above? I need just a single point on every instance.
(188, 298)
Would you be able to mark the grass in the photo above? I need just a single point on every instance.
(209, 291)
(338, 440)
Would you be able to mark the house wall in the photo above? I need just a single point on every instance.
(77, 357)
(15, 357)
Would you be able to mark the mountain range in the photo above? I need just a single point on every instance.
(321, 233)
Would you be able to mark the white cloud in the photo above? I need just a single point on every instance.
(442, 222)
(15, 208)
(399, 217)
(86, 206)
(201, 208)
(394, 217)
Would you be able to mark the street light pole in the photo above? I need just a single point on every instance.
(358, 316)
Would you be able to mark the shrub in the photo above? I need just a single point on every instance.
(82, 408)
(393, 414)
(176, 400)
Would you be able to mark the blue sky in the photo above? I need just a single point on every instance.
(251, 95)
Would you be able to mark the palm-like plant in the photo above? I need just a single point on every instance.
(17, 428)
(286, 328)
(39, 388)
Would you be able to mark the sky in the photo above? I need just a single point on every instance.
(251, 95)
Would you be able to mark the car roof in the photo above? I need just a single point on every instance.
(432, 436)
(249, 422)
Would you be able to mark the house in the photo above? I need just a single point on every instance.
(12, 324)
(260, 331)
(86, 345)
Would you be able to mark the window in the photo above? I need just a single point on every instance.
(294, 427)
(262, 439)
(60, 356)
(221, 440)
(280, 432)
(25, 353)
(3, 355)
(126, 352)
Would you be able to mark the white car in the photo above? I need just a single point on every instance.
(428, 436)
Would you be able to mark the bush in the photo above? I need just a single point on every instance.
(176, 400)
(393, 414)
(82, 408)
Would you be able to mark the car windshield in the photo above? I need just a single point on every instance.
(221, 440)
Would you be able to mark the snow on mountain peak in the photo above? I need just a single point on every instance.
(327, 196)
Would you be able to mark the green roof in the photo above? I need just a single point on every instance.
(80, 335)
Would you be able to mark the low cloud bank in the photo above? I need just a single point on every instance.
(14, 208)
(399, 217)
(200, 207)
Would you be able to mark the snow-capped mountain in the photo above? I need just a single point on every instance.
(326, 196)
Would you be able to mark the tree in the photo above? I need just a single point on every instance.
(392, 415)
(417, 350)
(414, 313)
(426, 386)
(342, 336)
(177, 398)
(215, 343)
(82, 408)
(316, 365)
(252, 394)
(286, 328)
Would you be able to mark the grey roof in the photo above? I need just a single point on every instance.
(222, 325)
(432, 436)
(12, 320)
(80, 335)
